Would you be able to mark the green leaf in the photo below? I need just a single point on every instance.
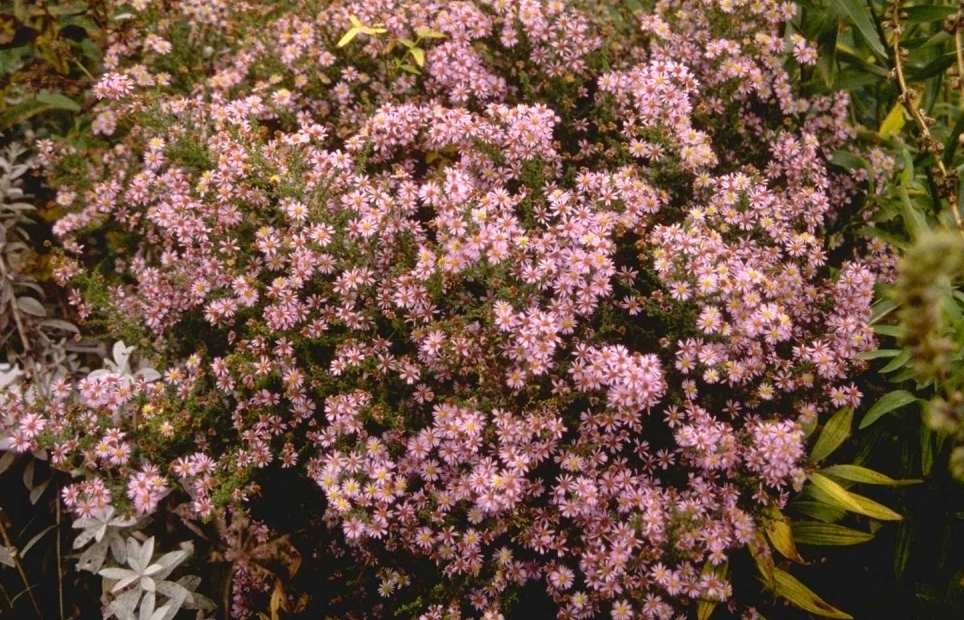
(348, 36)
(834, 432)
(905, 542)
(859, 15)
(899, 361)
(887, 330)
(819, 510)
(14, 115)
(926, 450)
(935, 67)
(890, 402)
(58, 101)
(789, 587)
(879, 353)
(827, 534)
(840, 497)
(927, 13)
(856, 473)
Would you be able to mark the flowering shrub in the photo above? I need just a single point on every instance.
(555, 306)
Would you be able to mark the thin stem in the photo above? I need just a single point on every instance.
(60, 557)
(906, 99)
(14, 310)
(19, 566)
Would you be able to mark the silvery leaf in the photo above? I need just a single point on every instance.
(164, 612)
(124, 605)
(122, 354)
(117, 547)
(149, 374)
(174, 591)
(147, 606)
(93, 558)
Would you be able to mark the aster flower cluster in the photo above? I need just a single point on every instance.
(551, 309)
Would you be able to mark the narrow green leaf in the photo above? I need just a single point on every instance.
(890, 402)
(859, 15)
(819, 510)
(935, 67)
(59, 101)
(827, 534)
(856, 473)
(905, 542)
(887, 330)
(926, 450)
(834, 432)
(928, 13)
(879, 353)
(840, 497)
(899, 361)
(789, 587)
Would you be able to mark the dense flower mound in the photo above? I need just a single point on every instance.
(546, 299)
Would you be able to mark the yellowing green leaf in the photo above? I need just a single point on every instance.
(419, 55)
(428, 33)
(894, 122)
(827, 534)
(348, 36)
(780, 535)
(760, 551)
(855, 473)
(834, 432)
(840, 497)
(704, 608)
(789, 587)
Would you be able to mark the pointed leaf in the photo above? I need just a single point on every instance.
(890, 402)
(347, 37)
(842, 498)
(38, 490)
(59, 101)
(855, 473)
(93, 558)
(147, 606)
(894, 122)
(905, 542)
(859, 15)
(124, 605)
(834, 432)
(780, 535)
(788, 587)
(928, 13)
(33, 541)
(7, 459)
(827, 534)
(819, 510)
